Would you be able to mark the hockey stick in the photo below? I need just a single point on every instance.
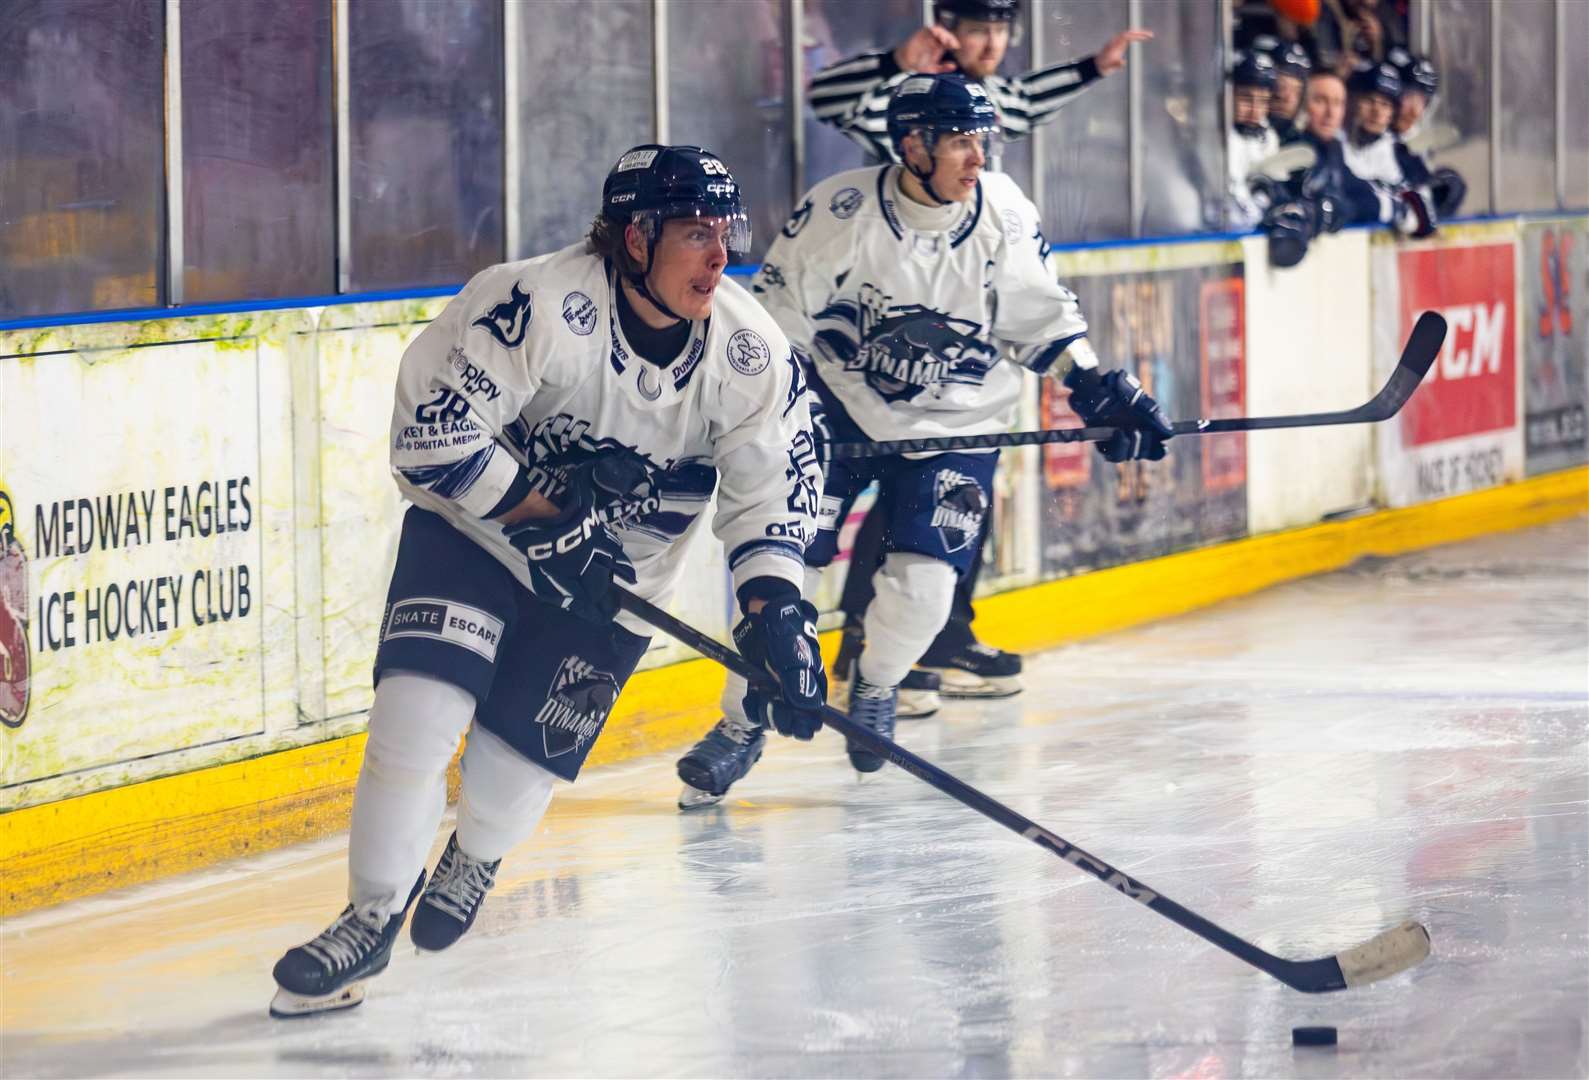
(1380, 957)
(1423, 345)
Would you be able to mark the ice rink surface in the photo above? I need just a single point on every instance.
(1307, 767)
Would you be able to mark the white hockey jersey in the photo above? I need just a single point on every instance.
(530, 361)
(1242, 155)
(906, 310)
(1375, 162)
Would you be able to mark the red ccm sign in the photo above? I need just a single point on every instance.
(1472, 387)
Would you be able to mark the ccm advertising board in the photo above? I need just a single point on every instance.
(1555, 321)
(1460, 431)
(1182, 333)
(130, 580)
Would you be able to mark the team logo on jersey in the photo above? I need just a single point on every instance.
(797, 220)
(576, 707)
(1012, 227)
(647, 383)
(845, 203)
(15, 655)
(960, 508)
(508, 321)
(579, 312)
(748, 352)
(771, 276)
(905, 348)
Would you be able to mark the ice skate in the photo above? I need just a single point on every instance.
(873, 708)
(918, 693)
(329, 972)
(718, 761)
(452, 900)
(974, 670)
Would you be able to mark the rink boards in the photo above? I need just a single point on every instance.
(204, 519)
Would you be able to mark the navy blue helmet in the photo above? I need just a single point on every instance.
(1380, 78)
(1417, 72)
(937, 105)
(1254, 69)
(651, 184)
(1289, 56)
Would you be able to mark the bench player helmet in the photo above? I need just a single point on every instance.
(1254, 68)
(934, 105)
(652, 184)
(1416, 72)
(1375, 78)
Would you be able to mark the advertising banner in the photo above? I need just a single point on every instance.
(1460, 430)
(1181, 331)
(1555, 320)
(131, 573)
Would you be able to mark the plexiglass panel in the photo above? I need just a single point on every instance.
(1086, 189)
(726, 92)
(1526, 134)
(82, 155)
(1462, 53)
(570, 135)
(1575, 107)
(258, 166)
(426, 140)
(836, 30)
(1182, 141)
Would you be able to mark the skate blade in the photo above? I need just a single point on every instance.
(917, 704)
(962, 684)
(287, 1005)
(693, 798)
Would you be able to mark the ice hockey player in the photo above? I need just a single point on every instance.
(565, 421)
(1250, 139)
(969, 37)
(907, 286)
(1420, 82)
(1373, 152)
(1292, 67)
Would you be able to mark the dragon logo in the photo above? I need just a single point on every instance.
(508, 321)
(15, 665)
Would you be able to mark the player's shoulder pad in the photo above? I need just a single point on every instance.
(559, 292)
(832, 203)
(1005, 207)
(746, 346)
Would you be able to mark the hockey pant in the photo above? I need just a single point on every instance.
(866, 558)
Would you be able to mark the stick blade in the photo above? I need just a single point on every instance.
(1423, 344)
(1392, 952)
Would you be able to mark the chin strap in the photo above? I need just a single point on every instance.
(639, 282)
(926, 177)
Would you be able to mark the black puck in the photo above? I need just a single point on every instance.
(1313, 1036)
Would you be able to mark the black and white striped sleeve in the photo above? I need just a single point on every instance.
(1037, 95)
(853, 94)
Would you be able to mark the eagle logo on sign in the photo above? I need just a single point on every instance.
(15, 660)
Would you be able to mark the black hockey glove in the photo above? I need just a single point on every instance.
(781, 638)
(573, 558)
(613, 473)
(1116, 399)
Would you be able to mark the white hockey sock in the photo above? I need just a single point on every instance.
(914, 594)
(415, 726)
(504, 796)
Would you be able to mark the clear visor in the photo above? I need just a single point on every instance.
(702, 228)
(983, 137)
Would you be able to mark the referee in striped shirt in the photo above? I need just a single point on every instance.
(968, 36)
